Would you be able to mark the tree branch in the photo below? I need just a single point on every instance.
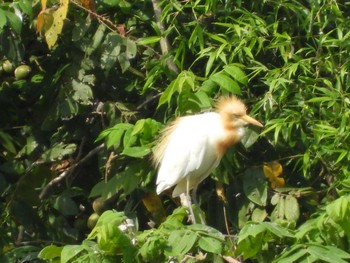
(69, 171)
(164, 43)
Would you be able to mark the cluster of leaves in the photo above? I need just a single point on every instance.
(81, 125)
(114, 238)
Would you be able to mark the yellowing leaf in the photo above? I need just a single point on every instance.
(44, 20)
(51, 34)
(155, 207)
(43, 4)
(220, 192)
(273, 171)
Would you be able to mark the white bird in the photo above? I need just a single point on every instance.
(192, 146)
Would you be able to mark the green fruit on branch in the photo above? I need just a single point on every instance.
(92, 220)
(22, 71)
(99, 205)
(7, 66)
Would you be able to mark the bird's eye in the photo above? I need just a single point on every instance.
(235, 116)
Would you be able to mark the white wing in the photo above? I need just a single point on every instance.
(190, 152)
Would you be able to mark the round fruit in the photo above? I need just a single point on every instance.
(22, 71)
(99, 205)
(92, 220)
(7, 66)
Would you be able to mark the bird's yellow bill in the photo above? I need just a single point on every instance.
(251, 120)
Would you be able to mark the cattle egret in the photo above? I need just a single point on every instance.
(192, 146)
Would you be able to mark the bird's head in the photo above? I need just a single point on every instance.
(234, 113)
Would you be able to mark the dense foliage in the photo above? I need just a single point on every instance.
(86, 86)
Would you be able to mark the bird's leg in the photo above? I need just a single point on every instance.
(189, 201)
(194, 199)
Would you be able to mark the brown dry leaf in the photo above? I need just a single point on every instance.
(62, 165)
(273, 171)
(89, 4)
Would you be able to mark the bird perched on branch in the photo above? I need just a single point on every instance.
(192, 146)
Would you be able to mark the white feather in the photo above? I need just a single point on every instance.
(191, 152)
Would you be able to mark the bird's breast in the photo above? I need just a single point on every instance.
(228, 138)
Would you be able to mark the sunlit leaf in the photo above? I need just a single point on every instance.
(3, 20)
(69, 252)
(136, 151)
(181, 242)
(148, 40)
(59, 15)
(50, 252)
(259, 215)
(291, 209)
(210, 244)
(226, 83)
(236, 73)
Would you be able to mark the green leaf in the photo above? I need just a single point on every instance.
(14, 21)
(136, 151)
(66, 205)
(51, 252)
(3, 20)
(250, 229)
(275, 199)
(184, 81)
(279, 211)
(236, 73)
(255, 186)
(96, 40)
(259, 215)
(113, 135)
(249, 138)
(131, 48)
(277, 230)
(123, 61)
(339, 209)
(148, 40)
(181, 242)
(328, 253)
(292, 254)
(7, 142)
(58, 151)
(291, 208)
(226, 83)
(69, 252)
(26, 8)
(109, 236)
(210, 244)
(111, 49)
(82, 93)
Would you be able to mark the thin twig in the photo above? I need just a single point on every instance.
(164, 43)
(226, 223)
(108, 23)
(148, 100)
(67, 172)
